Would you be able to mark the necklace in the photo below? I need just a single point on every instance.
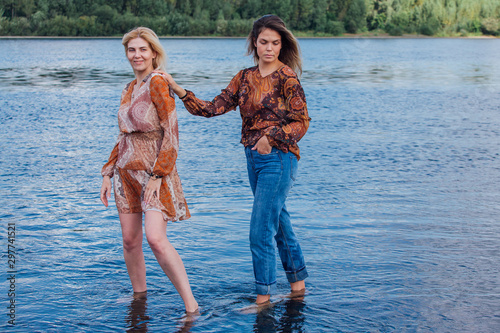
(136, 88)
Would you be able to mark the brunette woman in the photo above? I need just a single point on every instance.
(274, 114)
(142, 165)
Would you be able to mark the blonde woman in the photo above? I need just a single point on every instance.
(142, 165)
(274, 118)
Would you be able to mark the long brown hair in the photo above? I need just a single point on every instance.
(290, 50)
(159, 62)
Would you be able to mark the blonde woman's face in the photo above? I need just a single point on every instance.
(140, 55)
(268, 46)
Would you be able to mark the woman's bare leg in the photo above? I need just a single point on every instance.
(298, 285)
(132, 250)
(168, 258)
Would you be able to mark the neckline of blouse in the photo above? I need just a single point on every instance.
(277, 69)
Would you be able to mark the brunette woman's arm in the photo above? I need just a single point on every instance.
(223, 103)
(297, 118)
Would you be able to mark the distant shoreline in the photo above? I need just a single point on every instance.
(344, 36)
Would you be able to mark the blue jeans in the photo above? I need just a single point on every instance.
(271, 178)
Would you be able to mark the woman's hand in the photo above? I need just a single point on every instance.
(152, 189)
(262, 146)
(105, 190)
(173, 85)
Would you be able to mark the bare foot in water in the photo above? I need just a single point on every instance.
(297, 295)
(191, 316)
(194, 312)
(262, 299)
(256, 307)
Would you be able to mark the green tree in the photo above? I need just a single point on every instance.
(105, 14)
(18, 8)
(186, 7)
(250, 9)
(490, 26)
(355, 16)
(319, 15)
(305, 15)
(234, 17)
(221, 24)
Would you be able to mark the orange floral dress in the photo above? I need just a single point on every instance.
(148, 143)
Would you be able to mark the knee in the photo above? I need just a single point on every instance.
(262, 233)
(254, 238)
(132, 242)
(156, 242)
(259, 241)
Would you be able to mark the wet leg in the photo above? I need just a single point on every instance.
(168, 258)
(131, 225)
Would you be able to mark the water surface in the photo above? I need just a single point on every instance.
(396, 205)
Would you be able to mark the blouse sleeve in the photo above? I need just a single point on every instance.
(164, 102)
(296, 120)
(109, 167)
(223, 103)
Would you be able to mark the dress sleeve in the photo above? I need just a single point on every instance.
(164, 102)
(109, 167)
(296, 120)
(223, 103)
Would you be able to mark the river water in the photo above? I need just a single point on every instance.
(396, 204)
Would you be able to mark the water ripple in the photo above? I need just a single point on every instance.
(396, 204)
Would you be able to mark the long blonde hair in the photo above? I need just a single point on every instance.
(290, 50)
(160, 61)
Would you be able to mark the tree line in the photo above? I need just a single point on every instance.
(235, 17)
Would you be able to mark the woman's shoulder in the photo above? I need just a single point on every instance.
(246, 71)
(127, 86)
(286, 72)
(158, 82)
(157, 79)
(289, 79)
(250, 69)
(243, 75)
(127, 90)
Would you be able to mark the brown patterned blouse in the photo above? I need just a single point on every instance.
(274, 105)
(148, 142)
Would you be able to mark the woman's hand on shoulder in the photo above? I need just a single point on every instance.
(173, 85)
(105, 190)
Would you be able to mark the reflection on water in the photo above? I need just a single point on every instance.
(396, 203)
(137, 319)
(286, 316)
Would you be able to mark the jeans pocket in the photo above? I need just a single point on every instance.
(273, 152)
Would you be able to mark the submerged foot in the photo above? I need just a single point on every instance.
(297, 295)
(193, 309)
(256, 308)
(191, 316)
(140, 294)
(262, 299)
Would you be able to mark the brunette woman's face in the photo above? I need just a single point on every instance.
(140, 55)
(268, 46)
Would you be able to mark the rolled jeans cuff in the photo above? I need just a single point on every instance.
(297, 276)
(263, 289)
